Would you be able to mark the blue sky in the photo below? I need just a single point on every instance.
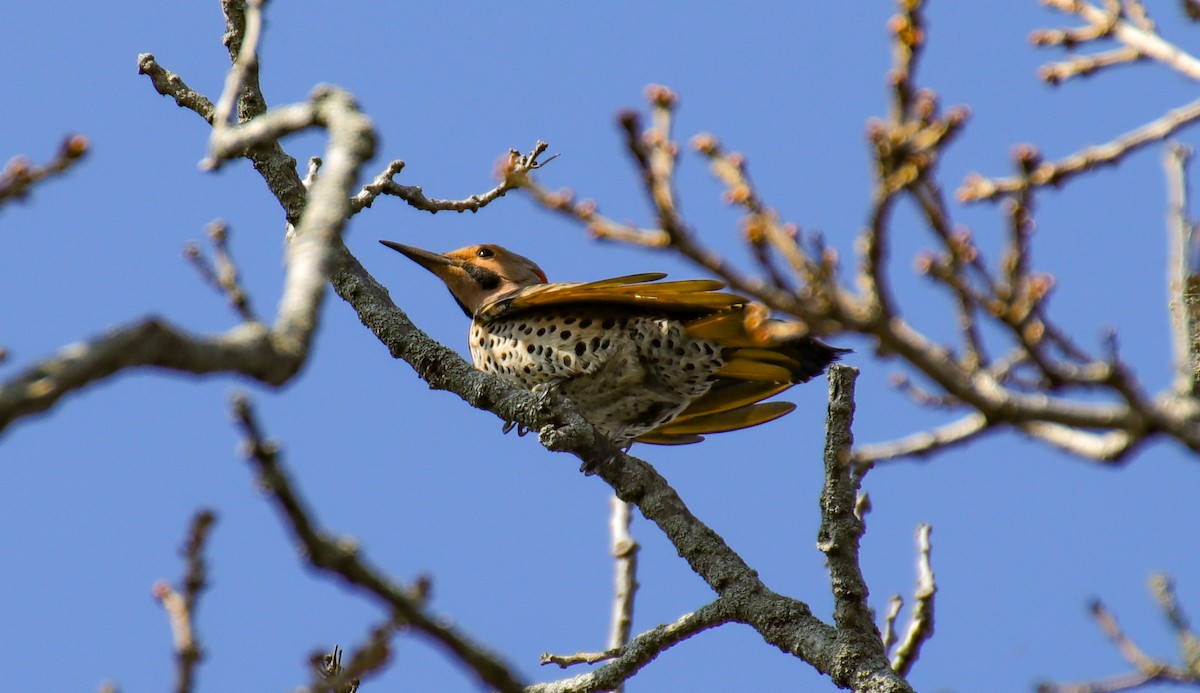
(97, 494)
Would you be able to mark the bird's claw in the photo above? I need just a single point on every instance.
(522, 429)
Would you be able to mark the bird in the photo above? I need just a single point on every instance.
(643, 360)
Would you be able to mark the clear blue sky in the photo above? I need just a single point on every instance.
(97, 494)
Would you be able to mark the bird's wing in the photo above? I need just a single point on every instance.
(730, 404)
(692, 296)
(756, 368)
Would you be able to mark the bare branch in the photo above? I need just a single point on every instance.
(597, 225)
(841, 528)
(1112, 446)
(1162, 588)
(624, 552)
(1183, 273)
(170, 84)
(181, 607)
(222, 274)
(513, 171)
(1085, 65)
(920, 619)
(1147, 669)
(639, 652)
(245, 58)
(1143, 39)
(19, 176)
(895, 604)
(272, 355)
(976, 187)
(341, 558)
(924, 442)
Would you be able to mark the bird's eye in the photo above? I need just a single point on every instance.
(485, 252)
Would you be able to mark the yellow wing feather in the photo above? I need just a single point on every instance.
(656, 438)
(729, 394)
(692, 295)
(732, 420)
(749, 369)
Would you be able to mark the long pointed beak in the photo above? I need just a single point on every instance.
(434, 262)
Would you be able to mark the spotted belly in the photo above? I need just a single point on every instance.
(626, 374)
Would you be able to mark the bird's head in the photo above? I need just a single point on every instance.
(478, 274)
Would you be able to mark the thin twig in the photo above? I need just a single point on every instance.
(513, 172)
(625, 554)
(222, 273)
(895, 604)
(1147, 669)
(181, 606)
(1146, 41)
(920, 618)
(1162, 588)
(639, 652)
(976, 187)
(924, 443)
(19, 176)
(1085, 65)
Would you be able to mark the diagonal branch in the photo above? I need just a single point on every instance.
(976, 188)
(338, 557)
(639, 652)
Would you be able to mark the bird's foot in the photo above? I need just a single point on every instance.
(522, 429)
(590, 468)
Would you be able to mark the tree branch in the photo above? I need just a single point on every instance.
(339, 557)
(1183, 274)
(639, 652)
(271, 355)
(841, 529)
(19, 176)
(920, 619)
(181, 606)
(624, 552)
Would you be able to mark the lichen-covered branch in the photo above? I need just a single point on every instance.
(841, 529)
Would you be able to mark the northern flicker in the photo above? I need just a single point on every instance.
(643, 360)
